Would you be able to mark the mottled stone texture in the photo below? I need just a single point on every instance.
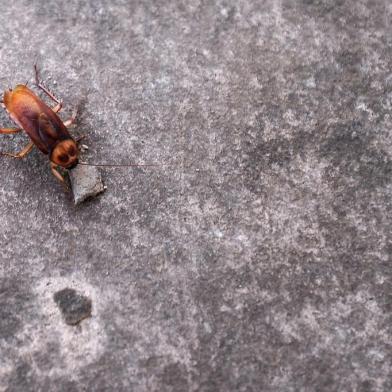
(260, 259)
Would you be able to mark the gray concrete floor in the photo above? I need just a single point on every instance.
(260, 259)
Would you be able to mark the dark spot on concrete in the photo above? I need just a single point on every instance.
(174, 376)
(350, 149)
(349, 60)
(9, 322)
(366, 386)
(47, 357)
(22, 378)
(74, 307)
(13, 301)
(153, 362)
(271, 156)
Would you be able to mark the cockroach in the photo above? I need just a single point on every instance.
(44, 127)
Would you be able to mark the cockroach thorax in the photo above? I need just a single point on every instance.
(65, 154)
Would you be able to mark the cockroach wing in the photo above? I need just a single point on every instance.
(39, 121)
(47, 130)
(51, 130)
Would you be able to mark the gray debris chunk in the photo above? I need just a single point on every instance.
(73, 306)
(86, 182)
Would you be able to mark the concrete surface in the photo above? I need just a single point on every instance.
(259, 261)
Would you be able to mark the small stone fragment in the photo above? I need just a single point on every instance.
(73, 306)
(86, 182)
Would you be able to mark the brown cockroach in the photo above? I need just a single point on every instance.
(44, 127)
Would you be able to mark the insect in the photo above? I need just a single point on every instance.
(42, 124)
(45, 128)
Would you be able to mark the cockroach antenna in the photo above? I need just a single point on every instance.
(119, 165)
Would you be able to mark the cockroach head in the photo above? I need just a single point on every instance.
(65, 154)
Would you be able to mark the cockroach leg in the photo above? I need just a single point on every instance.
(57, 174)
(79, 138)
(49, 94)
(68, 123)
(71, 121)
(21, 154)
(58, 107)
(43, 88)
(8, 131)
